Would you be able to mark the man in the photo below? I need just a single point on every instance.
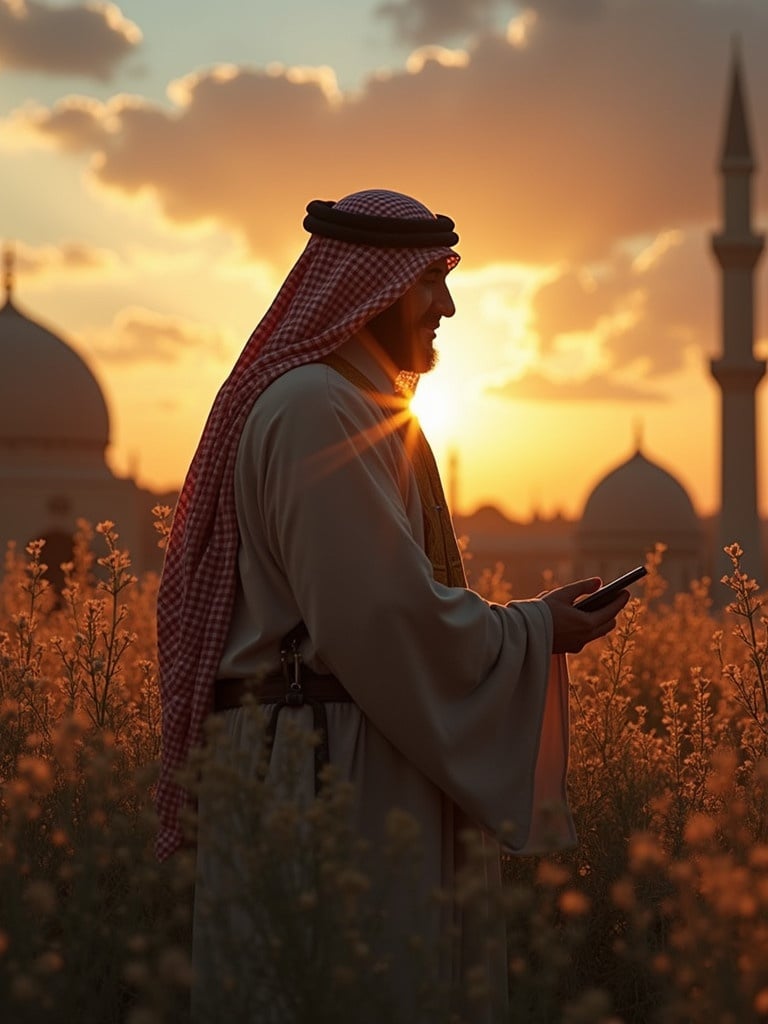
(312, 532)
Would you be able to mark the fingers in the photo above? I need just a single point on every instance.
(577, 644)
(576, 589)
(604, 619)
(573, 629)
(615, 606)
(607, 611)
(573, 645)
(605, 628)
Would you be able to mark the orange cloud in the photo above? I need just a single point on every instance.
(534, 386)
(84, 39)
(552, 151)
(141, 335)
(54, 260)
(648, 312)
(74, 124)
(564, 152)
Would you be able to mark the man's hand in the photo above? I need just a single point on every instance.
(573, 628)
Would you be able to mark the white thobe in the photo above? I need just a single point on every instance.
(459, 711)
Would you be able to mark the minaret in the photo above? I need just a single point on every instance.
(738, 373)
(8, 272)
(453, 482)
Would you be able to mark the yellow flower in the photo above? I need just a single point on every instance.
(574, 903)
(41, 896)
(136, 973)
(623, 894)
(24, 988)
(49, 962)
(174, 967)
(351, 881)
(645, 851)
(402, 826)
(699, 829)
(552, 875)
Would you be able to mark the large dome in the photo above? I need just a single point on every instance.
(639, 499)
(48, 396)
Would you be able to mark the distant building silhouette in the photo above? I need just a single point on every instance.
(54, 432)
(639, 503)
(737, 249)
(631, 508)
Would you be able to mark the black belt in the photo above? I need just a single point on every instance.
(230, 693)
(286, 689)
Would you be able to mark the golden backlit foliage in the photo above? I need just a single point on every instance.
(658, 915)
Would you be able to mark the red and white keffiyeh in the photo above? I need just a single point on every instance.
(334, 288)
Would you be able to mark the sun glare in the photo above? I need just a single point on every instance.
(434, 411)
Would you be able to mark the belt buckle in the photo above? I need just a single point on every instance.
(291, 663)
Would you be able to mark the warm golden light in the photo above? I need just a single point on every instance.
(434, 410)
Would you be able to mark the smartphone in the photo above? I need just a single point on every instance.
(606, 594)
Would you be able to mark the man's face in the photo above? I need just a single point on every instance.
(406, 330)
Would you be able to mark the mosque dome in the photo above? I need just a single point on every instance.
(639, 503)
(49, 398)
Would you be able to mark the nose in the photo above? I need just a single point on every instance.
(444, 301)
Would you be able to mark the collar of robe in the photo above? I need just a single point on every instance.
(440, 542)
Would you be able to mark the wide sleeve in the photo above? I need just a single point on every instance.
(466, 690)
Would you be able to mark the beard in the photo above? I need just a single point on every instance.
(403, 341)
(432, 360)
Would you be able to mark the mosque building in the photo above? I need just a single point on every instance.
(55, 432)
(54, 436)
(631, 508)
(640, 503)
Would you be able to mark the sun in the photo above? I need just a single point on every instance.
(434, 409)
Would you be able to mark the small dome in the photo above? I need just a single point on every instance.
(641, 501)
(48, 395)
(488, 519)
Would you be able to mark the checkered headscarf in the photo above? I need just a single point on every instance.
(334, 288)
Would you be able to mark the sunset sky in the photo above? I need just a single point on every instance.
(157, 157)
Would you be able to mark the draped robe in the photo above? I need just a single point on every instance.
(459, 709)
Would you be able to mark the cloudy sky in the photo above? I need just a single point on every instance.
(157, 158)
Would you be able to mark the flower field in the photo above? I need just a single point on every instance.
(659, 915)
